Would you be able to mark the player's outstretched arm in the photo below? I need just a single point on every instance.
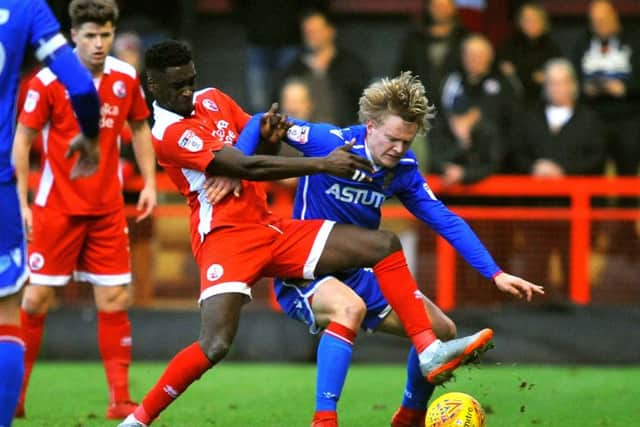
(516, 286)
(232, 163)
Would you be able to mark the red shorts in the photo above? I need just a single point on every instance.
(94, 249)
(233, 258)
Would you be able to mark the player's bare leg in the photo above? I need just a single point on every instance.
(219, 320)
(36, 301)
(114, 343)
(349, 246)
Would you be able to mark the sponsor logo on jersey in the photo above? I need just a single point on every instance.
(210, 105)
(223, 132)
(31, 101)
(108, 115)
(357, 196)
(119, 89)
(36, 261)
(299, 134)
(214, 272)
(190, 141)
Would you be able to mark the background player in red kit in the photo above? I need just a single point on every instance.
(237, 240)
(78, 227)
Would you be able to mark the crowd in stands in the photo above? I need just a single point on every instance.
(518, 108)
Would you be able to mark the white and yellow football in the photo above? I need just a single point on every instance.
(455, 410)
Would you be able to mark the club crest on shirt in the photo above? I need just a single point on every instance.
(190, 141)
(214, 272)
(36, 261)
(119, 89)
(210, 105)
(31, 101)
(299, 134)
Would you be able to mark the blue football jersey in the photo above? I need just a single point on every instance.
(347, 201)
(23, 24)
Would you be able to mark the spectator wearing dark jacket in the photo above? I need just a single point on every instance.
(335, 75)
(608, 64)
(561, 137)
(432, 51)
(523, 57)
(481, 86)
(464, 148)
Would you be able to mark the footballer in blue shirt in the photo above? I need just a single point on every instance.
(30, 24)
(392, 112)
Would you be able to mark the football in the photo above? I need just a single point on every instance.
(455, 410)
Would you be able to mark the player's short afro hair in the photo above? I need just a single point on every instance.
(169, 53)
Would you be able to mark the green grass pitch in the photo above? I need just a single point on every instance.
(74, 395)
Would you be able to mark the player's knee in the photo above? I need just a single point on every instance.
(215, 348)
(351, 313)
(387, 243)
(34, 302)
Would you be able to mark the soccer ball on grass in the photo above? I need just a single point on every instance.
(455, 410)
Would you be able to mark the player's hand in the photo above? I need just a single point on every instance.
(27, 218)
(218, 187)
(87, 163)
(516, 286)
(273, 125)
(147, 202)
(340, 162)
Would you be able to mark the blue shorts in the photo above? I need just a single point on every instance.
(294, 299)
(13, 255)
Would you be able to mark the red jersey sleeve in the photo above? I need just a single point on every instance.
(186, 148)
(36, 108)
(139, 109)
(240, 117)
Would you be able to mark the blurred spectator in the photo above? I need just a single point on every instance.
(273, 39)
(295, 100)
(608, 60)
(464, 148)
(432, 51)
(480, 85)
(335, 75)
(128, 47)
(562, 137)
(524, 56)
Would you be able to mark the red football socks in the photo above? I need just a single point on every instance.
(32, 329)
(401, 291)
(114, 343)
(185, 368)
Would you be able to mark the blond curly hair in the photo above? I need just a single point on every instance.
(403, 95)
